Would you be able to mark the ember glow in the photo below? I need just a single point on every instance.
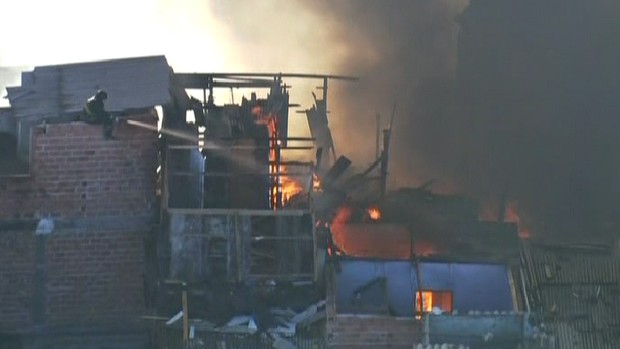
(376, 240)
(374, 213)
(512, 216)
(316, 183)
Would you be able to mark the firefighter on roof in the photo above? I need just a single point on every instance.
(94, 113)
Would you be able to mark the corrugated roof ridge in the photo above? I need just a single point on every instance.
(102, 61)
(569, 246)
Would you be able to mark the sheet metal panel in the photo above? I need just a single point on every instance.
(571, 265)
(580, 293)
(475, 287)
(131, 83)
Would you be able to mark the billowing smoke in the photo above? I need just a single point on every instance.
(494, 98)
(538, 88)
(501, 99)
(405, 54)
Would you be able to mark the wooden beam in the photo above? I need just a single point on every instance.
(240, 212)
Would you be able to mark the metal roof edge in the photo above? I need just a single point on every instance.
(108, 60)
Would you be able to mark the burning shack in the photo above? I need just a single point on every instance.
(238, 240)
(202, 225)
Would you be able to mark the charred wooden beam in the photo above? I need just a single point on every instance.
(341, 165)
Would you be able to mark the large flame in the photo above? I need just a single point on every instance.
(290, 187)
(283, 187)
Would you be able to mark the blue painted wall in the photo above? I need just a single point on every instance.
(483, 287)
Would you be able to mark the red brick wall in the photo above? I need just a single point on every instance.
(346, 331)
(17, 266)
(76, 173)
(92, 276)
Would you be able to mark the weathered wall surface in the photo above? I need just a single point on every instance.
(17, 267)
(477, 330)
(88, 272)
(346, 331)
(76, 173)
(373, 331)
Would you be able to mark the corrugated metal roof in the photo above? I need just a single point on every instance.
(131, 83)
(579, 290)
(587, 307)
(570, 338)
(553, 265)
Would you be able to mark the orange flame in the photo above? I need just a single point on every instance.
(512, 216)
(283, 187)
(374, 213)
(290, 187)
(426, 302)
(374, 240)
(316, 183)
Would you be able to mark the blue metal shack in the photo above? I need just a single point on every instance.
(474, 287)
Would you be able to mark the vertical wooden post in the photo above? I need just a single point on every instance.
(185, 316)
(384, 161)
(378, 138)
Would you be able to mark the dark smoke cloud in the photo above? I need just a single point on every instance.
(405, 53)
(539, 85)
(514, 99)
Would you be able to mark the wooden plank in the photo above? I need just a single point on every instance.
(240, 212)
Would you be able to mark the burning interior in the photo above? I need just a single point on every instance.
(251, 230)
(239, 228)
(253, 238)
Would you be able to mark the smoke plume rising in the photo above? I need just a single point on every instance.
(405, 53)
(500, 99)
(497, 99)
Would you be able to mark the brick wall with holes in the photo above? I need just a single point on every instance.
(89, 271)
(77, 173)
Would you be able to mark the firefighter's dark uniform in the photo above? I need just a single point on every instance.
(94, 113)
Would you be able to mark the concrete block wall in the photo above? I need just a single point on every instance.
(100, 196)
(373, 331)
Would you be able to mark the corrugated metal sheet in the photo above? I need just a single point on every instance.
(579, 290)
(574, 265)
(570, 338)
(131, 83)
(587, 307)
